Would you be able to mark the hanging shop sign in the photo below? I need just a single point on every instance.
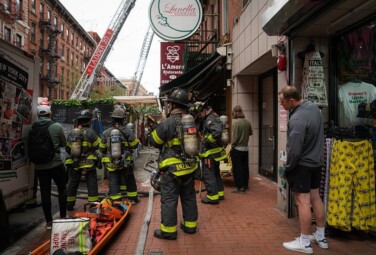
(174, 20)
(171, 61)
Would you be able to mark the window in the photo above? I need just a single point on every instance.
(62, 30)
(67, 34)
(356, 75)
(72, 39)
(68, 74)
(49, 15)
(55, 22)
(33, 32)
(62, 48)
(33, 6)
(6, 4)
(62, 75)
(41, 11)
(68, 54)
(18, 40)
(19, 9)
(41, 39)
(7, 34)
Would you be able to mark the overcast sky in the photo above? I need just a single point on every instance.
(96, 15)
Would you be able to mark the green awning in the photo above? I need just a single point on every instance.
(201, 79)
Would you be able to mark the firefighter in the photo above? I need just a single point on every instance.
(211, 150)
(82, 143)
(176, 170)
(117, 144)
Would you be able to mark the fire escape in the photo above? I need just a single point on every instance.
(50, 79)
(201, 45)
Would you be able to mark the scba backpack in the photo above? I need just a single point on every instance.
(41, 148)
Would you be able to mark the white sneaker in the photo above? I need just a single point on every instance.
(296, 245)
(323, 243)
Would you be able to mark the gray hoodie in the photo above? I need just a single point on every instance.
(305, 137)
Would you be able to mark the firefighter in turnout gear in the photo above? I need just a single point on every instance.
(176, 169)
(211, 151)
(117, 144)
(82, 143)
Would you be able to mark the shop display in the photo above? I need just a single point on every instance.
(350, 95)
(313, 79)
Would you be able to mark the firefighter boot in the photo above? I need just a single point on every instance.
(163, 235)
(188, 230)
(209, 201)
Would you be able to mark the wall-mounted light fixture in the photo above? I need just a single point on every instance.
(278, 49)
(230, 82)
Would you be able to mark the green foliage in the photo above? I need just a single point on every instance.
(148, 110)
(75, 102)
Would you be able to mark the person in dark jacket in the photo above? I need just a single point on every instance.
(117, 144)
(176, 170)
(305, 158)
(52, 170)
(211, 151)
(82, 143)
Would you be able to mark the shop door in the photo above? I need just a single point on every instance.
(268, 120)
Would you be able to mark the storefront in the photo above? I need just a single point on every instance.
(330, 52)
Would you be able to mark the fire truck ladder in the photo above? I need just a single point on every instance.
(142, 61)
(88, 78)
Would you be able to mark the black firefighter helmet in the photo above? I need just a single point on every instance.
(84, 117)
(179, 96)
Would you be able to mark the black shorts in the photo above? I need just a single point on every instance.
(303, 178)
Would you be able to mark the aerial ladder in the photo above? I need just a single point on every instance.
(148, 39)
(88, 78)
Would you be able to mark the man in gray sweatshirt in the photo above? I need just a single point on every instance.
(305, 152)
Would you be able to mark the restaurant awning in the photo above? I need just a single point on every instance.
(132, 100)
(203, 79)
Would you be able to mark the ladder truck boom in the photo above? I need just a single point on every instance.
(88, 78)
(148, 39)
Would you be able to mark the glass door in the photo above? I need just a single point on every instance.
(268, 120)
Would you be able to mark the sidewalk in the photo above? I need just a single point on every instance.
(242, 224)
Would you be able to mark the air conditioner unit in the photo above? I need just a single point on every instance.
(63, 58)
(82, 51)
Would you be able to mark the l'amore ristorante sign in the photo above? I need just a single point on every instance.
(175, 20)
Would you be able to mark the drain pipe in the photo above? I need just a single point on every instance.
(145, 226)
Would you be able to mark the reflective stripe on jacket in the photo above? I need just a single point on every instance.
(172, 154)
(89, 144)
(211, 133)
(128, 143)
